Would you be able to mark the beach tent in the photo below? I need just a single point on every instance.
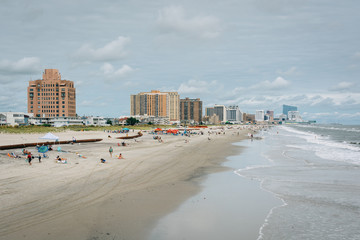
(50, 136)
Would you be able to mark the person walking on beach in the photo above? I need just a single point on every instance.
(29, 158)
(39, 158)
(111, 151)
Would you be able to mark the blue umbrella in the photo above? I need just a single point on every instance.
(125, 129)
(43, 149)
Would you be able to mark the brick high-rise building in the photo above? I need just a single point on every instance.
(51, 96)
(156, 103)
(191, 110)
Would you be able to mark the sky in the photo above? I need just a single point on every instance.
(257, 54)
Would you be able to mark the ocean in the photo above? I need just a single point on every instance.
(292, 182)
(315, 171)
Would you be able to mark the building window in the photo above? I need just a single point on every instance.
(31, 89)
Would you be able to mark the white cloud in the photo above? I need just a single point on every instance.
(196, 86)
(290, 72)
(278, 83)
(26, 65)
(110, 72)
(343, 86)
(111, 51)
(174, 19)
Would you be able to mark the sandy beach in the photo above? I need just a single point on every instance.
(119, 199)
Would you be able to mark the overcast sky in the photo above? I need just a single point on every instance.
(257, 54)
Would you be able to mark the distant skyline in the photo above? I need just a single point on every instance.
(256, 54)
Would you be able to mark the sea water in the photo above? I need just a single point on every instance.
(315, 170)
(293, 182)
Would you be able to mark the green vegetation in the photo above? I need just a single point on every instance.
(131, 121)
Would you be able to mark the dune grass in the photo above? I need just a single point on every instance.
(45, 129)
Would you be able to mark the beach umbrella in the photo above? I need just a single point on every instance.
(126, 129)
(158, 129)
(43, 149)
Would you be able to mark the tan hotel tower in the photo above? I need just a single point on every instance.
(157, 104)
(51, 96)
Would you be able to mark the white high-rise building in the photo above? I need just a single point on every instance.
(220, 110)
(233, 114)
(259, 115)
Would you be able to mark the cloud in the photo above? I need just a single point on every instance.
(110, 72)
(196, 87)
(92, 103)
(342, 86)
(357, 55)
(290, 72)
(173, 19)
(278, 83)
(26, 65)
(113, 50)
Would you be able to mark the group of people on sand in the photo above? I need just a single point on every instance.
(111, 150)
(60, 160)
(30, 157)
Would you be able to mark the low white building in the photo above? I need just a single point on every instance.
(65, 121)
(95, 121)
(154, 120)
(39, 120)
(14, 118)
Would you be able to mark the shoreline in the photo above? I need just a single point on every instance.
(135, 193)
(228, 206)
